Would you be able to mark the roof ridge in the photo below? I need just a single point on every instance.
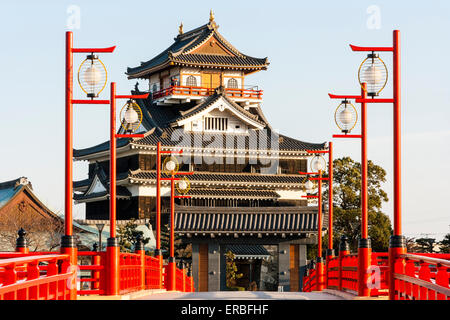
(15, 182)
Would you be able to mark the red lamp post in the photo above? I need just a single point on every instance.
(364, 245)
(320, 281)
(373, 78)
(173, 170)
(68, 245)
(397, 242)
(112, 246)
(330, 250)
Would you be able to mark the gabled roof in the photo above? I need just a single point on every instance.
(98, 188)
(219, 94)
(183, 52)
(13, 188)
(9, 189)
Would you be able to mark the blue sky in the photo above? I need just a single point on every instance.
(307, 46)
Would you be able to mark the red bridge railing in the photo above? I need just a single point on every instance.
(28, 275)
(36, 277)
(422, 277)
(96, 278)
(417, 276)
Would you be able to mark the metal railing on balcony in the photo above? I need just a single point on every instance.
(235, 93)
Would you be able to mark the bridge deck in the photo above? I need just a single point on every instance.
(242, 295)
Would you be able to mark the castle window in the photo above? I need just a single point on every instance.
(216, 124)
(191, 81)
(232, 83)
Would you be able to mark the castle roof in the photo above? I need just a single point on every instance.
(200, 47)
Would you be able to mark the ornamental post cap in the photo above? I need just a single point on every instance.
(211, 16)
(21, 232)
(180, 28)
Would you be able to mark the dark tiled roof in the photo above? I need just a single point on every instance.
(243, 251)
(227, 177)
(232, 193)
(121, 193)
(100, 147)
(255, 140)
(219, 60)
(226, 219)
(179, 52)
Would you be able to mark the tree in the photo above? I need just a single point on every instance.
(347, 203)
(43, 233)
(445, 244)
(231, 270)
(127, 235)
(425, 245)
(182, 249)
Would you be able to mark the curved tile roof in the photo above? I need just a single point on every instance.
(180, 53)
(225, 219)
(199, 176)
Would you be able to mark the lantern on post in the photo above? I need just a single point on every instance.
(130, 116)
(183, 185)
(346, 116)
(373, 71)
(92, 76)
(318, 163)
(170, 166)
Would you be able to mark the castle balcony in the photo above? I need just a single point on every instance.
(174, 94)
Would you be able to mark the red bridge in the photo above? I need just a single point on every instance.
(50, 276)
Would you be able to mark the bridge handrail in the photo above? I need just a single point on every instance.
(426, 258)
(50, 283)
(421, 282)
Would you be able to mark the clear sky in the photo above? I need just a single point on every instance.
(307, 46)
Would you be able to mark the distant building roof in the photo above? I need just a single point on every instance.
(231, 220)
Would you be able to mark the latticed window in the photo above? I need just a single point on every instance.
(232, 83)
(216, 124)
(191, 81)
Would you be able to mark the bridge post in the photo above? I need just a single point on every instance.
(112, 267)
(344, 249)
(139, 249)
(159, 256)
(320, 274)
(397, 246)
(21, 242)
(364, 262)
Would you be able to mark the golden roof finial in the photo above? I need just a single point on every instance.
(211, 16)
(180, 28)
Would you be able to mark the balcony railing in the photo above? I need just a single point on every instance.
(204, 92)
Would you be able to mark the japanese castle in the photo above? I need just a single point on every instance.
(246, 192)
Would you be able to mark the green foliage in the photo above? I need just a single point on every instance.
(182, 249)
(347, 204)
(231, 271)
(445, 244)
(425, 245)
(127, 235)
